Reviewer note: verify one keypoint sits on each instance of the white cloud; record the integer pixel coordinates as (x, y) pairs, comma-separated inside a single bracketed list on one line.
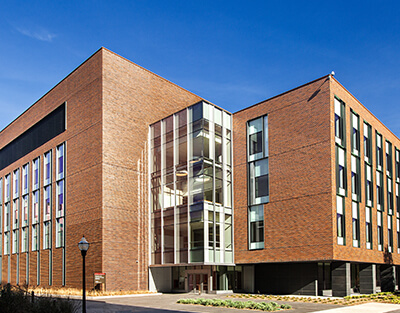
[(38, 33)]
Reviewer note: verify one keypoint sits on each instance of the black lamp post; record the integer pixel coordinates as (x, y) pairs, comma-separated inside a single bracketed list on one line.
[(83, 246)]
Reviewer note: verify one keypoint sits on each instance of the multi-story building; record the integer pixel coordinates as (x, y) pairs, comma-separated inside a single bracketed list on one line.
[(296, 194)]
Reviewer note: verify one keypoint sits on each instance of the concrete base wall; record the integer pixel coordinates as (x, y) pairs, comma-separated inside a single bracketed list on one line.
[(248, 278), (286, 278), (341, 279), (387, 278), (160, 279), (367, 278)]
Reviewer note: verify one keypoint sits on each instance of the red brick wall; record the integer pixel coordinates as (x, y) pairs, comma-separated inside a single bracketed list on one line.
[(133, 99), (297, 220), (348, 252), (110, 104), (300, 220), (82, 92)]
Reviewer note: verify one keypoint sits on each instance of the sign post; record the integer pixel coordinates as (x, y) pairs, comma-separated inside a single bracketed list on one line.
[(100, 278)]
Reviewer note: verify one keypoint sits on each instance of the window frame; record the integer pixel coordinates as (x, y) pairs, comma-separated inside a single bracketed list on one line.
[(255, 218)]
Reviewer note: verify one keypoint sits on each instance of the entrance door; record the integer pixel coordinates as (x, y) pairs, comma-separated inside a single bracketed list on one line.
[(198, 282), (193, 280)]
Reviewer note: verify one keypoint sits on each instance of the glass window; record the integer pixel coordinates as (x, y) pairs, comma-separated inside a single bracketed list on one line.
[(35, 175), (397, 165), (228, 232), (60, 232), (25, 239), (259, 182), (35, 207), (390, 234), (379, 152), (16, 184), (340, 220), (60, 161), (256, 227), (228, 152), (25, 179), (35, 237), (196, 234), (217, 116), (398, 199), (355, 136), (196, 112), (369, 193), (355, 178), (367, 143), (60, 199), (257, 138), (7, 217), (7, 243), (380, 230), (181, 154), (15, 243), (389, 166), (339, 121), (341, 176), (379, 190), (47, 235), (47, 168), (47, 203), (368, 228), (389, 196), (7, 188), (187, 165), (218, 148), (16, 214), (356, 224), (200, 144)]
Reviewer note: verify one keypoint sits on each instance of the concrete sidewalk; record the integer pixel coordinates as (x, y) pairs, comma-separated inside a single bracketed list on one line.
[(166, 303), (365, 308)]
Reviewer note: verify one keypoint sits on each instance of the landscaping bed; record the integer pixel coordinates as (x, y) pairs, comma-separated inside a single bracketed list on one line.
[(382, 297), (251, 305)]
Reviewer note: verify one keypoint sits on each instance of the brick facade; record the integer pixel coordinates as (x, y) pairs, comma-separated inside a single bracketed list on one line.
[(300, 218), (110, 103)]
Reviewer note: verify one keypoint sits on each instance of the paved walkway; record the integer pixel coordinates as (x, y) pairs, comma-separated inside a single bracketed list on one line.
[(366, 308), (166, 303)]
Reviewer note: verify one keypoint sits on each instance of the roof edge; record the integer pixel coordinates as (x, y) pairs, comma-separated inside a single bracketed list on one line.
[(354, 97), (75, 69), (283, 93), (152, 73)]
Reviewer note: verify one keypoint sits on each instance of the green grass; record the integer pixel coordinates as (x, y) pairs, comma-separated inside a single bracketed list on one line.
[(262, 306)]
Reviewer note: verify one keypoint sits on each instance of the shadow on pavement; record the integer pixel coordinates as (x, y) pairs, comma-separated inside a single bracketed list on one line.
[(161, 304)]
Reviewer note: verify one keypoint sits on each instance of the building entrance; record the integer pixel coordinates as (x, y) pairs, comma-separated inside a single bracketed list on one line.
[(198, 282)]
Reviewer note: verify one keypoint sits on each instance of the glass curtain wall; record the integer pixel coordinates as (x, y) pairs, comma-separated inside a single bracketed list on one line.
[(191, 187)]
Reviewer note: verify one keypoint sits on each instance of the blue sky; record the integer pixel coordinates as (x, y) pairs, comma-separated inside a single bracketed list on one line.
[(233, 53)]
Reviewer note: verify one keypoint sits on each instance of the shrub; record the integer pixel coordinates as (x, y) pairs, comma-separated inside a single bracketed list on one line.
[(15, 299), (263, 306), (239, 305)]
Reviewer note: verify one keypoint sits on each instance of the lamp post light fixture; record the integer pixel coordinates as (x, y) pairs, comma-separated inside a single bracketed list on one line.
[(83, 246)]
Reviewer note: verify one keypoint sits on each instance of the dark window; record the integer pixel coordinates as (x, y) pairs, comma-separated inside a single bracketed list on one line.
[(255, 142), (262, 186), (257, 231), (47, 128)]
